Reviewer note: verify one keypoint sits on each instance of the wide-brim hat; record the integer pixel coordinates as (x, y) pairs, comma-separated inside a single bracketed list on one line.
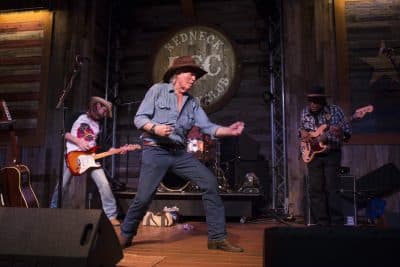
[(183, 64), (97, 99), (316, 91)]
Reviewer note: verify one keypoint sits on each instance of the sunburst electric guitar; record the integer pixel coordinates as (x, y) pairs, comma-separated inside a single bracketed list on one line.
[(79, 162), (315, 145)]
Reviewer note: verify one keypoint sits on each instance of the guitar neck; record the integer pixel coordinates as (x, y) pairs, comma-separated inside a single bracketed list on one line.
[(14, 157), (107, 153), (352, 118), (13, 153)]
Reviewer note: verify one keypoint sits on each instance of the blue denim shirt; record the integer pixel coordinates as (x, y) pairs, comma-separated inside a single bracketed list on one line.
[(160, 106)]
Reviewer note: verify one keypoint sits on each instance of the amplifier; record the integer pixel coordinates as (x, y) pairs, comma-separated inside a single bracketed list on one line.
[(348, 201), (348, 198)]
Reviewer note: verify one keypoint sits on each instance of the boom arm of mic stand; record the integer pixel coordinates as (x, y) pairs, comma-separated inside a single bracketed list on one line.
[(67, 89)]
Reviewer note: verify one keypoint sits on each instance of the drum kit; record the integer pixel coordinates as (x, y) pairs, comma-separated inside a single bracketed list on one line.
[(206, 150)]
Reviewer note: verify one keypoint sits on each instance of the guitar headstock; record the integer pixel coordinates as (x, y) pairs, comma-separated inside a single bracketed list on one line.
[(125, 148), (7, 115), (133, 147), (13, 155), (361, 112)]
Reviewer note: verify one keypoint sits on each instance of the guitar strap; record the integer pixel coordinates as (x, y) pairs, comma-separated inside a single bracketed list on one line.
[(327, 115), (103, 141), (317, 123), (323, 113)]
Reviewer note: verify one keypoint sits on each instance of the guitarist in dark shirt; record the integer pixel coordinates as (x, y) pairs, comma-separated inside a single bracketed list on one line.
[(323, 129)]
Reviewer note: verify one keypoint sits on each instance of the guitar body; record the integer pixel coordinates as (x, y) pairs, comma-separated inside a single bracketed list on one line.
[(309, 150), (314, 146), (80, 161), (16, 187)]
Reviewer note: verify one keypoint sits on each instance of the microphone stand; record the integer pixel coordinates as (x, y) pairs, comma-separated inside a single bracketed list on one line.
[(61, 106), (115, 183), (390, 54)]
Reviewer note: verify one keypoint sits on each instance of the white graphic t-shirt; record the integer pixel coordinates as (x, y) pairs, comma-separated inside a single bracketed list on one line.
[(86, 128)]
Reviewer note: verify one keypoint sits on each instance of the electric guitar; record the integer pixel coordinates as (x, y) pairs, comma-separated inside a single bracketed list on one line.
[(79, 162), (316, 145), (15, 182)]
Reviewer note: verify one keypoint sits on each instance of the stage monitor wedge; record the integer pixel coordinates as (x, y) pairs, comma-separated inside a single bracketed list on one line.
[(331, 247), (57, 238), (381, 182)]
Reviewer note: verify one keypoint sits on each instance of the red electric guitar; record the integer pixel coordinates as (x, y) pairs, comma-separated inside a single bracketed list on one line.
[(315, 145)]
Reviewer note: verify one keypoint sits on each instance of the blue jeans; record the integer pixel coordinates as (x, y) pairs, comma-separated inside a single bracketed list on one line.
[(155, 163), (100, 179)]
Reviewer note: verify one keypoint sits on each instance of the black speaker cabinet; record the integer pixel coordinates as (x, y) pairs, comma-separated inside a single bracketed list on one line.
[(330, 247), (57, 238), (347, 200), (347, 195)]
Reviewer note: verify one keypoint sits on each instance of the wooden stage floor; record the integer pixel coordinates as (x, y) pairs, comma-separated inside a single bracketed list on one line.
[(188, 247)]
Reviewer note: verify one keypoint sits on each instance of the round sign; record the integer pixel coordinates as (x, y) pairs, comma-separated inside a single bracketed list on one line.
[(213, 51)]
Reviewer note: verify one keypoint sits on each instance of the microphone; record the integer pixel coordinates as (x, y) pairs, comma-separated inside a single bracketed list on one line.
[(80, 59)]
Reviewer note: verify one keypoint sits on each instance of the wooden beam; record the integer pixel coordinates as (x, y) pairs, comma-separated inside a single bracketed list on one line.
[(342, 55), (187, 8)]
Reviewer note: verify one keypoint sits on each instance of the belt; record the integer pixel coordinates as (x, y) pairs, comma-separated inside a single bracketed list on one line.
[(166, 146)]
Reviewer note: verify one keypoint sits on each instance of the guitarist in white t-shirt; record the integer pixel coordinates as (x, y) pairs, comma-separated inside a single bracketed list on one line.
[(81, 138)]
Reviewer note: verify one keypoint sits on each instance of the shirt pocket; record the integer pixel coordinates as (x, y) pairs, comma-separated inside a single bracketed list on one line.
[(162, 112)]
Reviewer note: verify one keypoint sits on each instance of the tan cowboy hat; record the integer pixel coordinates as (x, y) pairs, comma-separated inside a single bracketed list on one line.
[(183, 64), (317, 91), (96, 99)]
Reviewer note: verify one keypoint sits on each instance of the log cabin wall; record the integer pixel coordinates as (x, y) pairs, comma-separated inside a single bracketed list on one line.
[(370, 27), (309, 50), (311, 55), (78, 28), (313, 42), (81, 39), (144, 24)]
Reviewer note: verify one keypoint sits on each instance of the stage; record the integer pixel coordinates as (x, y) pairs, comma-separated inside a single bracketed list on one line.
[(177, 246), (190, 203)]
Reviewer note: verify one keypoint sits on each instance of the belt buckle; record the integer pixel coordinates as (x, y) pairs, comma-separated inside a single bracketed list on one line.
[(149, 143)]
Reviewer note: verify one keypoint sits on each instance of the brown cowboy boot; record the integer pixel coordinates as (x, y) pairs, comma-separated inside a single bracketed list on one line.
[(123, 241), (224, 245)]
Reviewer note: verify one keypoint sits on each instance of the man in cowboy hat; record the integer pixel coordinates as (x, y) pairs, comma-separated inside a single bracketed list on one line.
[(165, 116), (82, 137), (324, 183)]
